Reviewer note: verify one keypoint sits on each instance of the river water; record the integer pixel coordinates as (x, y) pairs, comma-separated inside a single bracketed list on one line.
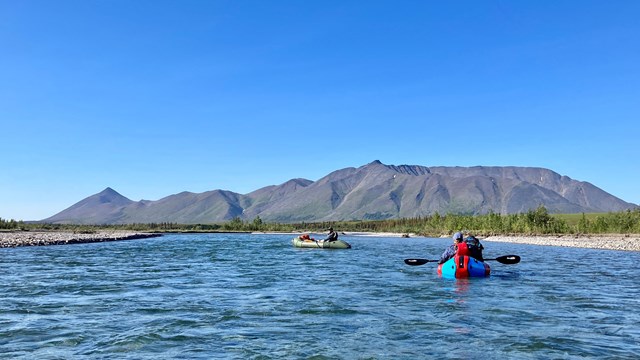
[(242, 296)]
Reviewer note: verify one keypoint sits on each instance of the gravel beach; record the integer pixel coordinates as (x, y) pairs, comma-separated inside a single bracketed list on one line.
[(28, 238), (627, 242)]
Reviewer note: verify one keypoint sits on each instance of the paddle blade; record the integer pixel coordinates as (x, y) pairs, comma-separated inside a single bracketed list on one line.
[(508, 259), (416, 262)]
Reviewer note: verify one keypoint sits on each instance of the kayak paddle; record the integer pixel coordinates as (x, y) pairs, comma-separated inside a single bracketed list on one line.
[(506, 259)]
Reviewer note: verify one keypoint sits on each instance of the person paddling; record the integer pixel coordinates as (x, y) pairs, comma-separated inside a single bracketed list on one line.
[(450, 251), (464, 247), (332, 236), (474, 246)]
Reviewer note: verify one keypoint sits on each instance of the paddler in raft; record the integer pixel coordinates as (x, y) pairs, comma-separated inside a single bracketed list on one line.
[(332, 236), (470, 247), (475, 248)]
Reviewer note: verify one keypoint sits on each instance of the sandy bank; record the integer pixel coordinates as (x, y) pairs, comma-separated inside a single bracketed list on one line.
[(28, 238)]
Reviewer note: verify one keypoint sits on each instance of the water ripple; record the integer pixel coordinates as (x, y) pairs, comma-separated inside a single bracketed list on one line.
[(255, 296)]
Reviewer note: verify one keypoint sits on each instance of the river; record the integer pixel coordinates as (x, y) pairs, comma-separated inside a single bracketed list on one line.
[(243, 296)]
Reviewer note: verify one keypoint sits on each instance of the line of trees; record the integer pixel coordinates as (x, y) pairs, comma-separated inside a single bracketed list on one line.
[(533, 222), (11, 224)]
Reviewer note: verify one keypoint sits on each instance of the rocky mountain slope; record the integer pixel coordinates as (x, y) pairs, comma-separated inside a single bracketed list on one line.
[(372, 191)]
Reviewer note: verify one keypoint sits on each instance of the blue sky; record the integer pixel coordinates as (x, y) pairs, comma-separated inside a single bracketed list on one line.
[(152, 98)]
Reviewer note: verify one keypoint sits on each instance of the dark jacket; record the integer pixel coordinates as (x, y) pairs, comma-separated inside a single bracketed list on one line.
[(333, 236), (475, 248)]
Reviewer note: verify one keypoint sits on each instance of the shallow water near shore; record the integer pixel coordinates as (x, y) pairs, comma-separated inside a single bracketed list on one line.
[(204, 296)]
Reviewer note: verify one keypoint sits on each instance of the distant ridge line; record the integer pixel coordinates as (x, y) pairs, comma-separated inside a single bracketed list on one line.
[(373, 191)]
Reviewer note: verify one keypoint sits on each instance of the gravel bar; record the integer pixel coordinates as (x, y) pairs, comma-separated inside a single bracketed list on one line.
[(624, 242), (27, 238)]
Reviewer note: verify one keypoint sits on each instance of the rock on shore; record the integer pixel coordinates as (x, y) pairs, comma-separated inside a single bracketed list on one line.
[(27, 238), (624, 242)]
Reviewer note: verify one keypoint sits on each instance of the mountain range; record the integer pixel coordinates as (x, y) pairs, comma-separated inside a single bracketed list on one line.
[(370, 192)]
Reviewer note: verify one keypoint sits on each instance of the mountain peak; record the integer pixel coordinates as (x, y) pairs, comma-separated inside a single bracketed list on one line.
[(110, 195), (373, 191), (101, 208), (108, 191)]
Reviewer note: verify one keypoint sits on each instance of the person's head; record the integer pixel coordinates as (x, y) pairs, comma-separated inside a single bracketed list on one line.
[(472, 241), (330, 229), (457, 237)]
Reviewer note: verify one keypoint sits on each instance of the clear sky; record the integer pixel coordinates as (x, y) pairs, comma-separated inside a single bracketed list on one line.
[(153, 97)]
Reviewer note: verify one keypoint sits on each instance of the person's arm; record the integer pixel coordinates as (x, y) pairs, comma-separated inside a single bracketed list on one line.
[(447, 254)]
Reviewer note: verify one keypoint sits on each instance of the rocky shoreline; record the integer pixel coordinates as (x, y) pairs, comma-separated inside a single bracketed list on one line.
[(28, 238), (624, 242)]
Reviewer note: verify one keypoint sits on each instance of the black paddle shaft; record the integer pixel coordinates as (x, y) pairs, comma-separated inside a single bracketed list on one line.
[(506, 259)]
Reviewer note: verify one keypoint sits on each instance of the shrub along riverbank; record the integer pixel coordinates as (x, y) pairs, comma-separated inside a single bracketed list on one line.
[(534, 222)]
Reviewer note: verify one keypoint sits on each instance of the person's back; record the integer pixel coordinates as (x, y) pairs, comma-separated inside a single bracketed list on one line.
[(474, 247)]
